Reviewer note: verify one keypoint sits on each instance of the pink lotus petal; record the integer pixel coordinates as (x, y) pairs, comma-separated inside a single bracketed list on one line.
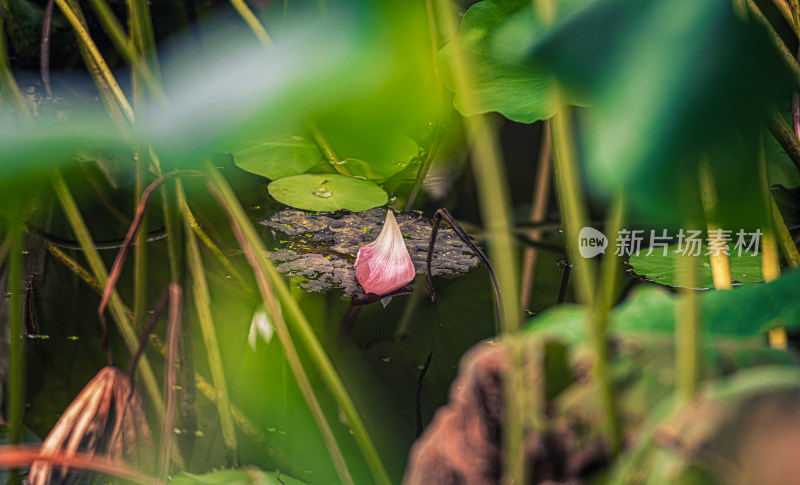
[(384, 265)]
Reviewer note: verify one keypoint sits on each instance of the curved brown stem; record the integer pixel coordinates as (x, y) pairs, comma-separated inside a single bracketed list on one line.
[(119, 262), (444, 214)]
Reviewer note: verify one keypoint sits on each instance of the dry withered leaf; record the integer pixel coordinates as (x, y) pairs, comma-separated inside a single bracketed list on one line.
[(106, 418), (463, 443)]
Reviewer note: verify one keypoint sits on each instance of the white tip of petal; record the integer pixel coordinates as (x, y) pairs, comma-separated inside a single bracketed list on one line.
[(384, 265)]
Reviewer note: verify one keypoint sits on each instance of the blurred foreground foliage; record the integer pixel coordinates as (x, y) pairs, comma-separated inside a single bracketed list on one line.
[(345, 108)]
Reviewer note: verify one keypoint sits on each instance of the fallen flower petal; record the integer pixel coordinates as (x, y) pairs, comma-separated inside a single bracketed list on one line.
[(384, 265)]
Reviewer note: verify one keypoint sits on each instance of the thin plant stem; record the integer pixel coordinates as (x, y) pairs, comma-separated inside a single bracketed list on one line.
[(140, 249), (610, 269), (490, 177), (784, 237), (327, 149), (303, 329), (141, 27), (601, 307), (276, 318), (170, 381), (79, 270), (720, 260), (15, 399), (770, 271), (202, 301), (786, 56), (687, 331), (242, 421), (770, 264), (787, 14), (574, 213), (143, 43), (493, 194), (785, 135), (252, 21), (104, 89), (114, 29), (23, 456), (211, 246), (87, 42), (436, 139), (258, 29), (119, 261), (124, 45), (101, 194), (433, 33), (172, 222), (409, 311), (101, 274), (571, 201), (44, 48), (7, 80), (541, 192)]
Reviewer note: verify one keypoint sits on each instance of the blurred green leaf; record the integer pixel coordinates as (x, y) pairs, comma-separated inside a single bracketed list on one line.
[(278, 155), (365, 77), (741, 313), (327, 192), (663, 269), (244, 476), (372, 155), (31, 152), (519, 91), (671, 82), (746, 420)]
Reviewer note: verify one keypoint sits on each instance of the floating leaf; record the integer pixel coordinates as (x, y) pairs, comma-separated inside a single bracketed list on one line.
[(366, 146), (661, 268), (278, 155), (327, 192)]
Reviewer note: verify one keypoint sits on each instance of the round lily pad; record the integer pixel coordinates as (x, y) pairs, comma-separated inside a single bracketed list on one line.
[(662, 269), (327, 192), (278, 155)]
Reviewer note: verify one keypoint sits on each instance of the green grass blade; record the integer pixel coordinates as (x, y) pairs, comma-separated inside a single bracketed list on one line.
[(15, 398), (244, 423), (86, 41), (100, 272), (301, 325), (252, 21), (202, 301)]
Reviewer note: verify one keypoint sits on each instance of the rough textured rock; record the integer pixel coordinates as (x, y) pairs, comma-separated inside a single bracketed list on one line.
[(321, 248)]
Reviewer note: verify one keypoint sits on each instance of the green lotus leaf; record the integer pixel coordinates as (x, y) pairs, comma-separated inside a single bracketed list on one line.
[(278, 155), (327, 192), (663, 268)]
